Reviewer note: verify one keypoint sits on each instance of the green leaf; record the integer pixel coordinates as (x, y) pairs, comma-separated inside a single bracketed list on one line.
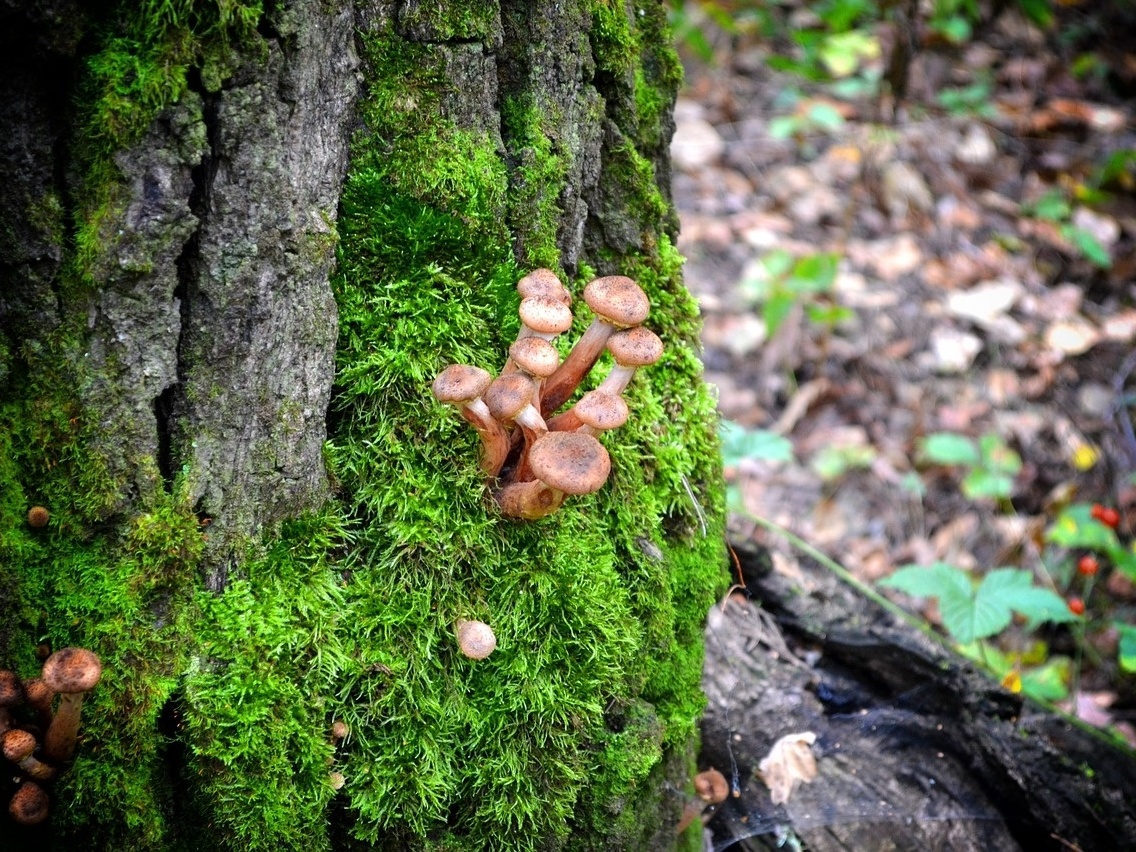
[(740, 443), (950, 585), (1088, 245), (824, 116), (1048, 682), (814, 273), (998, 456), (949, 448), (1052, 206), (1076, 527), (775, 310), (1127, 651), (1014, 588)]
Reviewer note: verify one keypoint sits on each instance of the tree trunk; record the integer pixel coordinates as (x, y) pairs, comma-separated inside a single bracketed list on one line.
[(240, 240), (915, 749)]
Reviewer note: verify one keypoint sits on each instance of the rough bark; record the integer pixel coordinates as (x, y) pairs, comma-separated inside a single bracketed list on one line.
[(915, 748)]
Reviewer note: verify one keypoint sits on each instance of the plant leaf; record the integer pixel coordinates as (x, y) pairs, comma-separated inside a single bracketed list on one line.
[(949, 448)]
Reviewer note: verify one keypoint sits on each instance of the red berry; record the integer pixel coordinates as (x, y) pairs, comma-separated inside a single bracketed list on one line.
[(1109, 517), (1088, 565), (1098, 509), (1076, 606)]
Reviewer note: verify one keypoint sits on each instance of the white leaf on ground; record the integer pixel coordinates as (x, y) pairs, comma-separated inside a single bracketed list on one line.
[(1072, 336), (790, 761), (953, 351)]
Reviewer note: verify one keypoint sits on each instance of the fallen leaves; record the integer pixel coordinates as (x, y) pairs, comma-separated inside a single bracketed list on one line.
[(790, 762)]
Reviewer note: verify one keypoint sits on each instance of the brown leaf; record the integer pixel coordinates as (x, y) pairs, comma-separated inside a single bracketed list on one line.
[(789, 762)]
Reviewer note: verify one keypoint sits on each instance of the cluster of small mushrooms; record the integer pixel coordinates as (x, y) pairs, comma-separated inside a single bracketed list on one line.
[(532, 455), (39, 743)]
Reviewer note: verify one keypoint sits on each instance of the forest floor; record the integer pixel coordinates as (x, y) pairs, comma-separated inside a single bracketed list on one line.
[(960, 266)]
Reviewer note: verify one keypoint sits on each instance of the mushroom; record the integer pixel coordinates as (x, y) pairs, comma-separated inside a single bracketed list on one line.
[(11, 695), (711, 786), (631, 348), (29, 804), (618, 302), (535, 356), (563, 463), (596, 411), (38, 517), (18, 747), (463, 385), (543, 317), (476, 639), (543, 282), (339, 730), (509, 399), (71, 672)]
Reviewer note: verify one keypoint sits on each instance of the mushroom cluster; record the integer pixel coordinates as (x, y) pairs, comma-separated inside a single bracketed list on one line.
[(533, 455), (39, 743)]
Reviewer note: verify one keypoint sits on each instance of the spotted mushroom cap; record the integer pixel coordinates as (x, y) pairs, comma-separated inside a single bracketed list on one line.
[(635, 347), (617, 299), (543, 282), (601, 410), (29, 804), (536, 356), (461, 383), (71, 670), (508, 395), (476, 639), (11, 689), (17, 744), (571, 462), (545, 316)]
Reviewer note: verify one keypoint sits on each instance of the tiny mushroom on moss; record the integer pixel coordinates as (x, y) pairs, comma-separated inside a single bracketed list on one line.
[(562, 463), (618, 302), (29, 804), (38, 516), (12, 694), (711, 786), (71, 672), (476, 639), (631, 348), (463, 385), (19, 747)]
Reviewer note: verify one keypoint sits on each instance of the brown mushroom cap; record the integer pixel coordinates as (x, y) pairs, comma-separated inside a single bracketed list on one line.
[(71, 670), (476, 639), (545, 316), (29, 804), (508, 395), (711, 786), (635, 347), (536, 356), (571, 462), (11, 689), (17, 744), (601, 410), (460, 383), (618, 299), (38, 517), (543, 282)]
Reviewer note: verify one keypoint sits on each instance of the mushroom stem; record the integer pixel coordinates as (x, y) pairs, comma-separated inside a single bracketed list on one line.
[(19, 747), (71, 672), (494, 441), (563, 383), (59, 741), (528, 500)]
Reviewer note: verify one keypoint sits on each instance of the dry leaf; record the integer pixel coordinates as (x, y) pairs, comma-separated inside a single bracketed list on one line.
[(788, 763)]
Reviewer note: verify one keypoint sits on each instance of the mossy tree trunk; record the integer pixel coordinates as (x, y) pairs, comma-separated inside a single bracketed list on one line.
[(239, 240)]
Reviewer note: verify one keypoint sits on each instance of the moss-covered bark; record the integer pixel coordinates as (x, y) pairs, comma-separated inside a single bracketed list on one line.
[(260, 535)]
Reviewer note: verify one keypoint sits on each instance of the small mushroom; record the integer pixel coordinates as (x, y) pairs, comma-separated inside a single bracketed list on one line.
[(71, 672), (38, 517), (29, 804), (11, 695), (595, 411), (711, 786), (618, 302), (509, 400), (19, 747), (535, 356), (463, 385), (543, 317), (339, 730), (476, 639), (39, 697), (631, 348), (543, 282), (563, 463)]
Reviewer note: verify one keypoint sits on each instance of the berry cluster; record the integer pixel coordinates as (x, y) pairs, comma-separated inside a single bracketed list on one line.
[(38, 742), (532, 455)]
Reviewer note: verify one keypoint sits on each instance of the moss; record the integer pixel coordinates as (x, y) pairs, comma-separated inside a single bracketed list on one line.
[(452, 21)]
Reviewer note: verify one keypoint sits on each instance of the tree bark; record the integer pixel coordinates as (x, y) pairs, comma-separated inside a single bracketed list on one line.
[(240, 239), (915, 748)]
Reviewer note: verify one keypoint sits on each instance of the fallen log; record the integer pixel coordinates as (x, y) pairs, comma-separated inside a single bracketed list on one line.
[(915, 749)]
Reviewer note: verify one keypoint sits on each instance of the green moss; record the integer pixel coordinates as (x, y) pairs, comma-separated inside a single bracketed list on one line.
[(538, 180), (615, 42), (453, 21)]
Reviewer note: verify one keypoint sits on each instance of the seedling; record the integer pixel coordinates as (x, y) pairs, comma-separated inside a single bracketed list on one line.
[(991, 463), (783, 281), (1053, 206)]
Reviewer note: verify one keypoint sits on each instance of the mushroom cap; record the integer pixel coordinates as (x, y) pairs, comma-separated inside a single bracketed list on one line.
[(617, 299), (571, 462), (544, 315), (38, 517), (461, 383), (601, 410), (11, 689), (635, 347), (29, 804), (536, 356), (508, 395), (71, 670), (476, 639), (711, 786), (18, 744), (543, 282)]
